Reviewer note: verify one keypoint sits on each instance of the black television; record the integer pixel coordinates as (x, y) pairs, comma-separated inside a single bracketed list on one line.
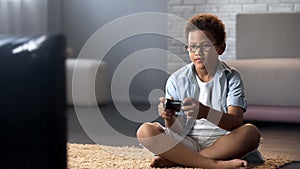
[(32, 102)]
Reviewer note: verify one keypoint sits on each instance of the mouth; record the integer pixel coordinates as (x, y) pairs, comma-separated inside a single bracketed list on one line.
[(199, 59)]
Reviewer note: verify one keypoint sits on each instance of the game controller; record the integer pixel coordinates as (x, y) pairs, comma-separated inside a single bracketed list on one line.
[(172, 104)]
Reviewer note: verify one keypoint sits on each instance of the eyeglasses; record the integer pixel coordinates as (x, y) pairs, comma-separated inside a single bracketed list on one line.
[(205, 47)]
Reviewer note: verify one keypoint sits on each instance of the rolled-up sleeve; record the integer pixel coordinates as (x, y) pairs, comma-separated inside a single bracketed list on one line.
[(236, 93), (170, 88)]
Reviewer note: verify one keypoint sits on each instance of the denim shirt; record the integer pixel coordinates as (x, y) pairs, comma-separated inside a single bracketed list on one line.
[(228, 88)]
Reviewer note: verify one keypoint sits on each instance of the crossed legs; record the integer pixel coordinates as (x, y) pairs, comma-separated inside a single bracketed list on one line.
[(171, 152)]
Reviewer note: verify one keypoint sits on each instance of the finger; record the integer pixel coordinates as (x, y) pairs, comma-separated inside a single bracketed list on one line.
[(160, 108), (167, 113), (160, 105), (190, 114), (162, 99), (188, 100), (187, 108), (165, 116)]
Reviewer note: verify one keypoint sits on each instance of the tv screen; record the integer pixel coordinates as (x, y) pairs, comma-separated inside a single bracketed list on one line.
[(32, 102)]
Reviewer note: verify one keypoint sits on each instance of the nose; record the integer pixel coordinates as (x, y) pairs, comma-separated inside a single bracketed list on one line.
[(198, 50)]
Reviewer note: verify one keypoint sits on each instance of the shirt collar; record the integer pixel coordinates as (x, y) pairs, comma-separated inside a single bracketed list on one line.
[(190, 71), (222, 67)]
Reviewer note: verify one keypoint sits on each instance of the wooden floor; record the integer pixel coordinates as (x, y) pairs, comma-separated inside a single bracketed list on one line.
[(281, 139)]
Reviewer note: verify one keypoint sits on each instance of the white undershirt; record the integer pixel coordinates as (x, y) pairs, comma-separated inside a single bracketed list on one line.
[(203, 127), (205, 91)]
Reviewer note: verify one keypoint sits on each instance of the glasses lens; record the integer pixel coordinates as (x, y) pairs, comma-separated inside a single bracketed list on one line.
[(203, 47)]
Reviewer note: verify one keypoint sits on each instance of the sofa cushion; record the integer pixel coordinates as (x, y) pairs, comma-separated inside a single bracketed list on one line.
[(86, 82), (271, 82)]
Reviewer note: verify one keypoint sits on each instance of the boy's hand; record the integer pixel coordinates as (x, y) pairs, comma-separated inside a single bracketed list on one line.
[(166, 114), (191, 107)]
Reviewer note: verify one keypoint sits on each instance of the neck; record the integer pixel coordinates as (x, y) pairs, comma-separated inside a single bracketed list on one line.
[(203, 75)]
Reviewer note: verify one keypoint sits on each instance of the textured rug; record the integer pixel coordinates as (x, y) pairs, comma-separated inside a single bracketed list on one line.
[(92, 156)]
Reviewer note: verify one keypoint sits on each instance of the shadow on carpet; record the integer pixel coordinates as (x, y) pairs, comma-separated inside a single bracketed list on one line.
[(93, 156), (292, 165)]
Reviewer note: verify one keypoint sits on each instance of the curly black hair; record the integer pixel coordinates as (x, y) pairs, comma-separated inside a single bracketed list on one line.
[(207, 22)]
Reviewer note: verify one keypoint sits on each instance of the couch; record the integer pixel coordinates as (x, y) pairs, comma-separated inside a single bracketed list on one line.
[(268, 57), (272, 88), (89, 85)]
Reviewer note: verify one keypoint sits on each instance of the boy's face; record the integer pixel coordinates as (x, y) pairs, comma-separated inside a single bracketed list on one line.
[(202, 52)]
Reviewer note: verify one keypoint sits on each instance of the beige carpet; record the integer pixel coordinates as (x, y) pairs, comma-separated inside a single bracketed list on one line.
[(91, 156)]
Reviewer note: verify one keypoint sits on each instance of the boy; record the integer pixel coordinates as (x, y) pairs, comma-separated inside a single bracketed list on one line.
[(208, 132)]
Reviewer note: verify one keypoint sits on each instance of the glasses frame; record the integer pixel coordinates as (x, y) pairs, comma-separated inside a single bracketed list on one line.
[(201, 47)]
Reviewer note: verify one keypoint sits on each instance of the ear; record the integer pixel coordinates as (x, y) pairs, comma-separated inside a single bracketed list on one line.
[(221, 48)]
